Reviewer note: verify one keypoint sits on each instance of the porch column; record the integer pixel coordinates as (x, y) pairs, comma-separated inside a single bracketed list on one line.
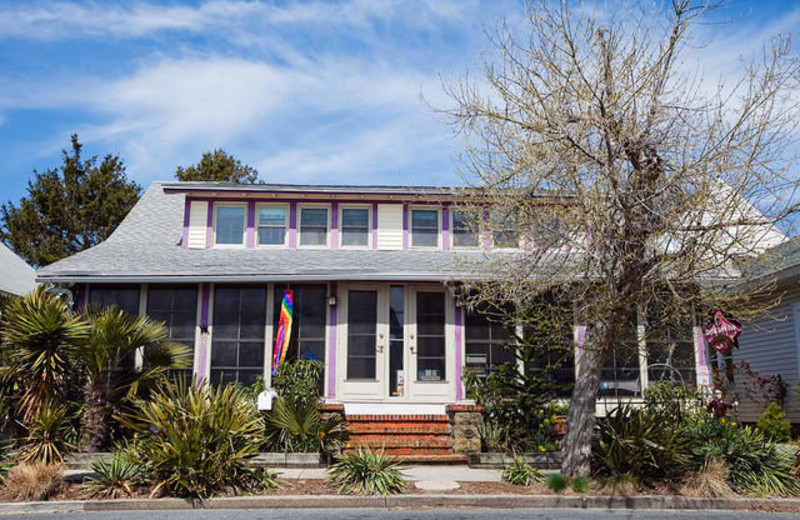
[(202, 348), (333, 316)]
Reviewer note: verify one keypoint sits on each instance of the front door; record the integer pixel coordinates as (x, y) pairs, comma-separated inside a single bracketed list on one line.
[(364, 340)]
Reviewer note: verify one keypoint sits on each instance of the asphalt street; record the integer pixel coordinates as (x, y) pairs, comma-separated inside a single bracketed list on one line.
[(398, 514)]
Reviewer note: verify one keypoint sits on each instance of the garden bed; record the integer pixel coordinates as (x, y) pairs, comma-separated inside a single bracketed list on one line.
[(548, 461)]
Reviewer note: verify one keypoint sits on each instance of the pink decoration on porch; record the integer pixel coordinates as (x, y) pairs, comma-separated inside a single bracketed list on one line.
[(721, 336)]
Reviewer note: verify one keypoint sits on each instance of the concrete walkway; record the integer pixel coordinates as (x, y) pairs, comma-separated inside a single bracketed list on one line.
[(413, 473)]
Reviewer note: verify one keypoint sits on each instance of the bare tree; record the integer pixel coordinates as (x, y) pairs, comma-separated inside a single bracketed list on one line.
[(633, 184)]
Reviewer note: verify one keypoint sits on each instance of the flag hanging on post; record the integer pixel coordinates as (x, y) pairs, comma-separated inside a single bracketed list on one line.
[(284, 330)]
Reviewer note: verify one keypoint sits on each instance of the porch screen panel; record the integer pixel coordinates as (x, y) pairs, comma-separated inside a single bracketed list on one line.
[(670, 347), (176, 306), (486, 339), (237, 347), (621, 372), (430, 336), (362, 314), (308, 324), (124, 297)]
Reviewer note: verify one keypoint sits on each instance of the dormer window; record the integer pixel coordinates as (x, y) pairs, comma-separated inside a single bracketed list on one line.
[(355, 226), (229, 225), (424, 228), (314, 226), (464, 229), (505, 231), (272, 224)]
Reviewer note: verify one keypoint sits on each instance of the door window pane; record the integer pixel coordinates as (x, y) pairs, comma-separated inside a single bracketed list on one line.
[(396, 337), (361, 310), (424, 228), (355, 226), (237, 347), (313, 226), (465, 230), (272, 225), (230, 224), (430, 336)]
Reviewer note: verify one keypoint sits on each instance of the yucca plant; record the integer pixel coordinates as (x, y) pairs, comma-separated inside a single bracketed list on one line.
[(50, 436), (296, 426), (115, 478), (367, 472), (40, 338), (198, 439), (5, 459), (520, 473), (114, 336)]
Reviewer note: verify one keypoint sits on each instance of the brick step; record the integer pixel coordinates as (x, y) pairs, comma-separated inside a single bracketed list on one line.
[(412, 443), (400, 429), (440, 458), (408, 452), (417, 439), (397, 418)]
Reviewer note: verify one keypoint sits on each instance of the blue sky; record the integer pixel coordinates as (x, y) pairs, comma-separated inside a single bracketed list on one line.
[(305, 91)]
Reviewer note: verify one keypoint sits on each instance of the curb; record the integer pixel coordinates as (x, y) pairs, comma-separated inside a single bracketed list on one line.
[(407, 502)]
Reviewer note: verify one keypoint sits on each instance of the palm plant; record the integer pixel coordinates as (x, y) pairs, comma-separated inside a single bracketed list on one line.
[(39, 339), (114, 337)]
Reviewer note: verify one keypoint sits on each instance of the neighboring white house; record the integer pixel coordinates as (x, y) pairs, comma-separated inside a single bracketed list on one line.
[(16, 277)]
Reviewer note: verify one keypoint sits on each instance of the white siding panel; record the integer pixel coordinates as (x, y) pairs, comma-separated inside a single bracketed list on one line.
[(198, 217), (770, 345), (390, 226)]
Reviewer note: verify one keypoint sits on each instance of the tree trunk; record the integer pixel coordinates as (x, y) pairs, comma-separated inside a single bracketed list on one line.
[(577, 448), (96, 416)]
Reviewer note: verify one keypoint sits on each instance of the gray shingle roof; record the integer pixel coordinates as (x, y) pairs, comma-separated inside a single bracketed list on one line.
[(146, 246), (16, 277)]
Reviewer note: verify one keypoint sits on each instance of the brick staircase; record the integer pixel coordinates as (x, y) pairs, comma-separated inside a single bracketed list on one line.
[(408, 438)]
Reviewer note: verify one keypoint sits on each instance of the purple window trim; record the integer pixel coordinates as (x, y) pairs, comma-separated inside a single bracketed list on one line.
[(202, 351), (332, 334), (334, 225), (250, 241), (405, 225), (527, 244), (285, 200), (186, 210), (293, 225), (374, 225), (445, 228), (210, 225), (82, 291), (459, 348)]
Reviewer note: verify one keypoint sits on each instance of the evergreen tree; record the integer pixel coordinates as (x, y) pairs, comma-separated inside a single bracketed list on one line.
[(218, 166), (68, 209)]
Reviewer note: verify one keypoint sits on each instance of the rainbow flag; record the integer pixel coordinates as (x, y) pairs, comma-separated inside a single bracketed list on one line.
[(284, 330)]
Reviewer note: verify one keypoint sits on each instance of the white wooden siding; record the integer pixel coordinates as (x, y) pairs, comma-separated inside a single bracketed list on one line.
[(770, 345), (198, 217), (390, 226)]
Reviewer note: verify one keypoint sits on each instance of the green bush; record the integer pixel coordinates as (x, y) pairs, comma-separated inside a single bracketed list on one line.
[(297, 427), (556, 482), (639, 442), (50, 436), (298, 381), (774, 424), (580, 484), (198, 439), (520, 473), (5, 459), (756, 464), (367, 472), (116, 477)]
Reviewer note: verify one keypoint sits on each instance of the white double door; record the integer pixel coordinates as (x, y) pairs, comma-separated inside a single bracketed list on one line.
[(395, 344)]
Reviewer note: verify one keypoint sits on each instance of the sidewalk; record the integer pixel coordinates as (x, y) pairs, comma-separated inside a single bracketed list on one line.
[(444, 472)]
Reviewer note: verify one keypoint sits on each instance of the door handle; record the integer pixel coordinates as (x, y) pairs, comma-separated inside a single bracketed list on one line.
[(413, 349), (379, 348)]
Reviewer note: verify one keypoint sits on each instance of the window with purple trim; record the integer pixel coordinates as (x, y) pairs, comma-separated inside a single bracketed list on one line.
[(272, 224), (229, 224)]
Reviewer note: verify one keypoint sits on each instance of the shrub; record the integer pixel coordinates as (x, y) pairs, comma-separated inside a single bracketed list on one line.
[(198, 439), (5, 459), (49, 436), (116, 477), (367, 472), (639, 442), (556, 482), (774, 424), (520, 473), (34, 481), (755, 464), (580, 484), (298, 381), (297, 427)]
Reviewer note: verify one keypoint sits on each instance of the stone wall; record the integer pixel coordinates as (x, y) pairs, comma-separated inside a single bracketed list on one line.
[(465, 427)]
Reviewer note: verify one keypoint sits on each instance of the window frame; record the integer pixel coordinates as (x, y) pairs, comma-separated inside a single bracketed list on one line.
[(493, 233), (342, 208), (300, 208), (286, 220), (215, 207), (478, 233), (438, 210)]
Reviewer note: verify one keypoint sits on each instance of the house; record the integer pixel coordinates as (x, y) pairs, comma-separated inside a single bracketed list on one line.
[(366, 268), (770, 344), (16, 277)]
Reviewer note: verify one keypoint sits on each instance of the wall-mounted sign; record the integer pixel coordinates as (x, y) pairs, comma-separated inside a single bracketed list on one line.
[(721, 336)]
